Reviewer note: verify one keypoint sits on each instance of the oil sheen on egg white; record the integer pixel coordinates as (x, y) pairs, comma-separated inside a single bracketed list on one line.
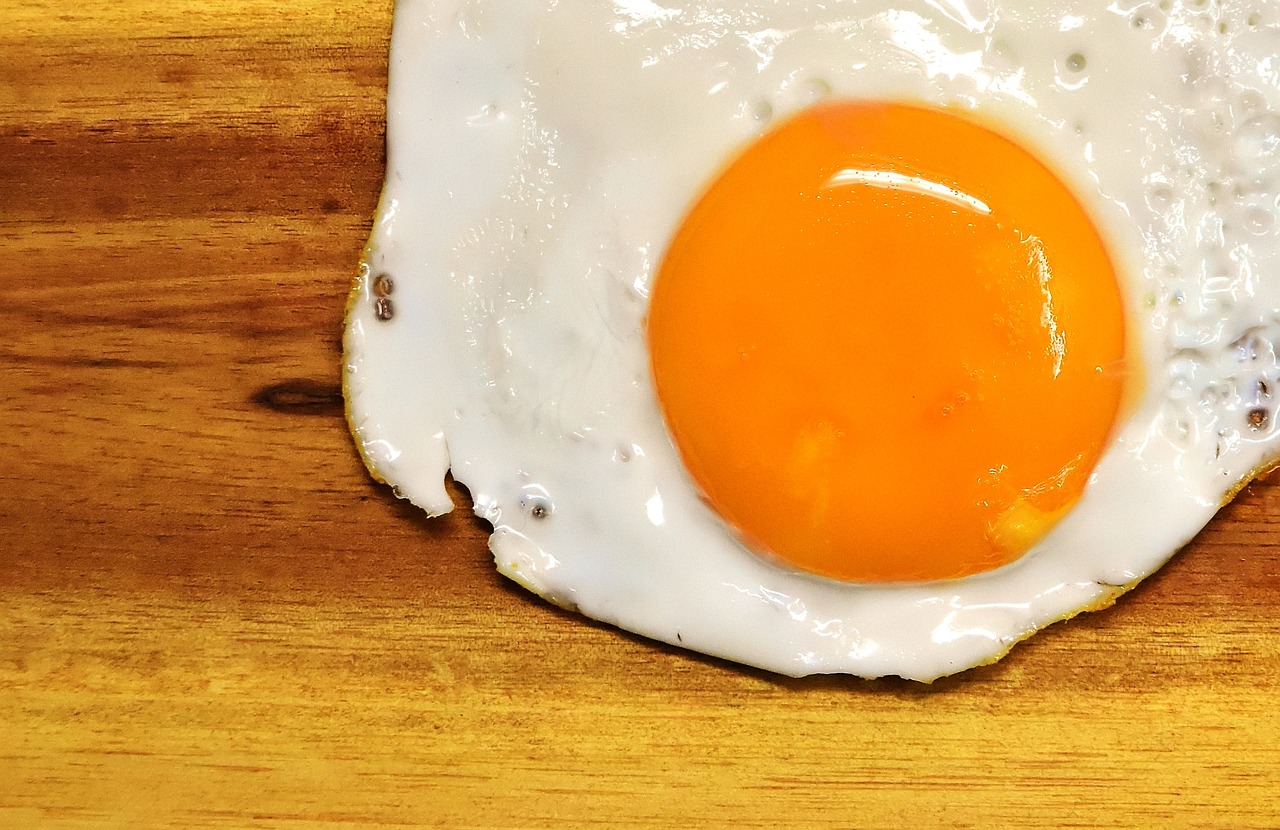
[(861, 338)]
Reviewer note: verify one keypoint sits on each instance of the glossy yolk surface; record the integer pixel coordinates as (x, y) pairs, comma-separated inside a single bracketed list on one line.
[(889, 344)]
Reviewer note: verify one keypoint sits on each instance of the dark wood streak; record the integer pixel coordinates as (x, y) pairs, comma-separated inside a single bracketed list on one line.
[(301, 397), (70, 361), (132, 172)]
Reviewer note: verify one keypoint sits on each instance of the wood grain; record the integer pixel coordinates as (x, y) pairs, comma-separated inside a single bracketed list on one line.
[(211, 617)]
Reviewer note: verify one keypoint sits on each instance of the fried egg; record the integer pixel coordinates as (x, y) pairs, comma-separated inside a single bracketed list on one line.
[(862, 337)]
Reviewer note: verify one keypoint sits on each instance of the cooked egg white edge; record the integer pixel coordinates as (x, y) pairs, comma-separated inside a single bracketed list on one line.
[(433, 388)]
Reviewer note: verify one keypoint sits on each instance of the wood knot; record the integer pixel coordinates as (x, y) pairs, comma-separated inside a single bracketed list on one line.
[(301, 397)]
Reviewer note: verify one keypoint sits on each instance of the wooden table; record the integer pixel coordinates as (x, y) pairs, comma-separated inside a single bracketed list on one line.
[(211, 617)]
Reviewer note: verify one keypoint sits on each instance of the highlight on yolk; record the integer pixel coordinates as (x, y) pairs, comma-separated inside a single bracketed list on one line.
[(889, 344)]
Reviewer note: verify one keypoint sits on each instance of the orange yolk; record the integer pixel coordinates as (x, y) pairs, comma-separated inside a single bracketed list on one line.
[(889, 344)]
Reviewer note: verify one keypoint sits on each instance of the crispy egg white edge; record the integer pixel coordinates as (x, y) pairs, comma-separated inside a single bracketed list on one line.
[(406, 429)]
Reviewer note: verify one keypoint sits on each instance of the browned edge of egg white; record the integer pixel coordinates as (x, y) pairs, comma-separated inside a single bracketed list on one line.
[(354, 295)]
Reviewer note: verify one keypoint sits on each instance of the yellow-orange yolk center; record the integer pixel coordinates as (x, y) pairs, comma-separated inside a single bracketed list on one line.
[(889, 344)]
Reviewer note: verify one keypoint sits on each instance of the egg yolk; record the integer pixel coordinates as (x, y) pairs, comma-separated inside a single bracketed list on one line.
[(889, 344)]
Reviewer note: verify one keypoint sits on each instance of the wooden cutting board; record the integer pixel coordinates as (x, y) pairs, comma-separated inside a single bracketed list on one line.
[(211, 617)]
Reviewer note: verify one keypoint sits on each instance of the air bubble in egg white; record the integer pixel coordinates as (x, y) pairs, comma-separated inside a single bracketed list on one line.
[(818, 88), (1217, 393), (1148, 21), (1258, 141), (1259, 221), (1246, 348), (1069, 72), (1159, 197)]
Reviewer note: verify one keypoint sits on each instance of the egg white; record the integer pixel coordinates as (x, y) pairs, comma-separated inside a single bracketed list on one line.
[(540, 154)]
